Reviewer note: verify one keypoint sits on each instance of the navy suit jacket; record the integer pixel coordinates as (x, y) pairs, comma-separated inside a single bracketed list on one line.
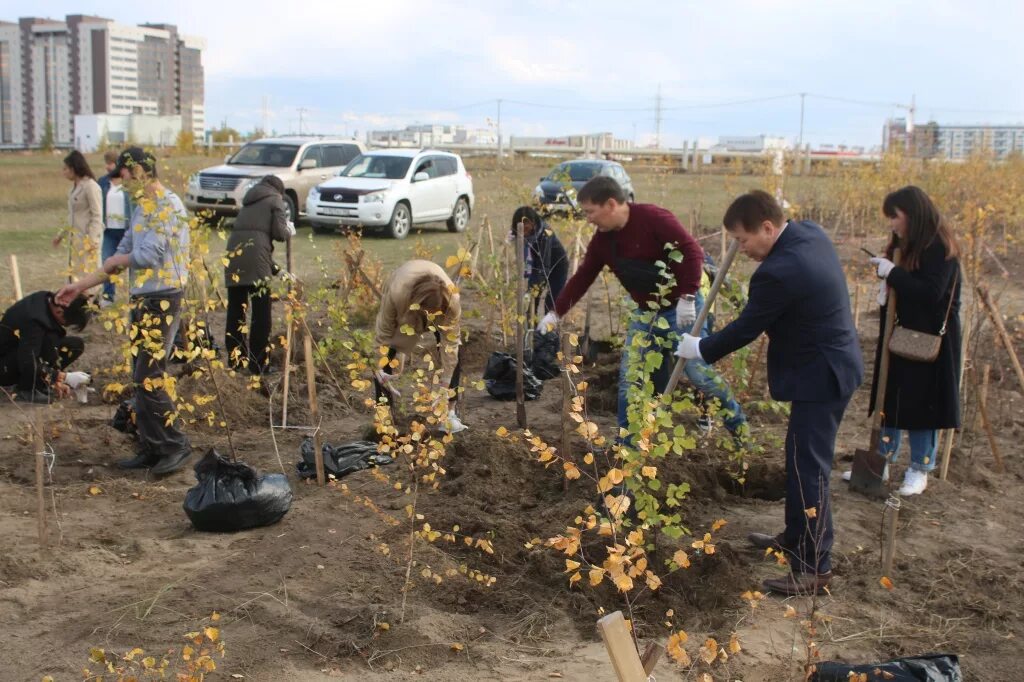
[(798, 296)]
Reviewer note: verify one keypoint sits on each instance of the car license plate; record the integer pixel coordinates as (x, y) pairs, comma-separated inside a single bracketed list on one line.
[(337, 211), (214, 195)]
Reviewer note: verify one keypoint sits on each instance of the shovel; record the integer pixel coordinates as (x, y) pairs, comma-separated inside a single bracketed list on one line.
[(868, 465), (698, 324)]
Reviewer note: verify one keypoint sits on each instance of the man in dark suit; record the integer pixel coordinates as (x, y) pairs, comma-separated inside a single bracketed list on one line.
[(798, 297)]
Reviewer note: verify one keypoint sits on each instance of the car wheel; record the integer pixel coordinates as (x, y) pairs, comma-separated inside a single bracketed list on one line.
[(460, 216), (323, 229), (290, 212), (401, 221)]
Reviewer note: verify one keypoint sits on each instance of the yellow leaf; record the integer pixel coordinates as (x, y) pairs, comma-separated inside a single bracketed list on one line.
[(718, 524), (812, 512), (623, 582), (588, 458), (211, 633), (680, 559), (615, 476), (457, 646), (790, 612), (186, 653), (97, 655), (885, 582), (501, 432), (709, 652), (734, 644), (596, 576), (383, 626), (649, 472), (451, 261), (164, 304), (575, 578), (653, 581), (95, 490), (571, 565), (675, 650), (571, 471), (130, 656)]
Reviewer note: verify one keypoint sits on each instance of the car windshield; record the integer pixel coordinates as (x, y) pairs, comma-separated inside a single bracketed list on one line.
[(278, 155), (371, 166), (576, 172)]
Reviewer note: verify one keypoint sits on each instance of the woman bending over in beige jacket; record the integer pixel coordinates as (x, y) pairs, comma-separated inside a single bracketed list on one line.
[(420, 310)]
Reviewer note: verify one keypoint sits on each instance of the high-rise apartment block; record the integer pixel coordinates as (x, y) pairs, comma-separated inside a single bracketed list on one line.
[(52, 70), (934, 141)]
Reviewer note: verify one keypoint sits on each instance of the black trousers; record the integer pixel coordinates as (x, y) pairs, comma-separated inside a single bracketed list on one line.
[(810, 449), (55, 352), (154, 323), (379, 392), (254, 348)]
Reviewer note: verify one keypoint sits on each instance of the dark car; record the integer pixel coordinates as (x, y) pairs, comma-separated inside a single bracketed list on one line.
[(557, 190)]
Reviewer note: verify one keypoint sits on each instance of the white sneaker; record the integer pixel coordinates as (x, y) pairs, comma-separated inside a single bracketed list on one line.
[(914, 482), (454, 424), (705, 424), (847, 475)]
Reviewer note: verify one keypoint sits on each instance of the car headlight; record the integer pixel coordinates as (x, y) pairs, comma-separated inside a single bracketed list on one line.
[(372, 198), (314, 194), (249, 184), (193, 183)]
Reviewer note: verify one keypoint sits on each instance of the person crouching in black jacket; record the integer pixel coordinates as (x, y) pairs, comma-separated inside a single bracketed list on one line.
[(547, 265), (35, 348)]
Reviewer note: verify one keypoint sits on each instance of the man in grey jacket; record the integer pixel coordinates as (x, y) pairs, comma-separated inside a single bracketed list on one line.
[(155, 249), (247, 273)]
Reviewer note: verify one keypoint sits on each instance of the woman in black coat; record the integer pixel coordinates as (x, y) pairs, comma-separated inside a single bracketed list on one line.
[(547, 265), (250, 265), (921, 397)]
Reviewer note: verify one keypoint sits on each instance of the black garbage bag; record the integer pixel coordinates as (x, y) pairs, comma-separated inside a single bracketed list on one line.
[(500, 378), (233, 496), (124, 418), (929, 668), (341, 460), (544, 360)]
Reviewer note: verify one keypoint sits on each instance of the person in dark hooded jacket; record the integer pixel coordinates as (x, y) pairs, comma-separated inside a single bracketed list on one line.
[(547, 265), (35, 349), (250, 266)]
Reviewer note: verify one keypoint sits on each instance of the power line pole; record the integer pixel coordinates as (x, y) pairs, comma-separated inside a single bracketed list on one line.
[(800, 142), (657, 119), (302, 112), (501, 148)]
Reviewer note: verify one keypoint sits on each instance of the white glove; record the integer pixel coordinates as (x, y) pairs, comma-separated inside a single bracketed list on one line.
[(689, 348), (385, 380), (76, 379), (883, 292), (885, 266), (548, 322), (686, 313), (291, 228)]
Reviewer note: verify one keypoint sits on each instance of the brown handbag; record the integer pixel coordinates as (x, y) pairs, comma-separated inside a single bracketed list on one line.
[(921, 346)]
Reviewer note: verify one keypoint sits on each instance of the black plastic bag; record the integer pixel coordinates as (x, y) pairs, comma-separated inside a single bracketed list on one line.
[(341, 460), (500, 378), (544, 361), (233, 496), (930, 668), (124, 418)]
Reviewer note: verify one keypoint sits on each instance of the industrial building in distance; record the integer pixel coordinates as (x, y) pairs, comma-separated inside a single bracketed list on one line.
[(133, 79)]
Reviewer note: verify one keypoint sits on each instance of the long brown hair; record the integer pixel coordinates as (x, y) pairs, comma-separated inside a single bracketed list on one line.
[(924, 225), (78, 165)]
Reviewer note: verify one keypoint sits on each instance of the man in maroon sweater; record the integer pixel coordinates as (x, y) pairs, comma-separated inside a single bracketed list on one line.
[(630, 240)]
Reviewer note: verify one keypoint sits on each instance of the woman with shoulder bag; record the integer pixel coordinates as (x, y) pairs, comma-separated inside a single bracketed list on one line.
[(250, 266), (922, 394)]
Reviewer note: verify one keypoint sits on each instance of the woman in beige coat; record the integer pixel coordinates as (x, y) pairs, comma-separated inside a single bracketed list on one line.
[(85, 215), (420, 309)]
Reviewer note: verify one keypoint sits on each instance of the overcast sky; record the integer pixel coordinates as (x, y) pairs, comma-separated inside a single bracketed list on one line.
[(574, 66)]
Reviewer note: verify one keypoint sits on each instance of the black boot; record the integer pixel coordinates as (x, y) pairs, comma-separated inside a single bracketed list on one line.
[(171, 463), (142, 460)]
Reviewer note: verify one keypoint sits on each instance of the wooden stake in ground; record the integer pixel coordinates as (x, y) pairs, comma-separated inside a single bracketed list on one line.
[(856, 307), (892, 518), (997, 320), (983, 411), (520, 321), (287, 335), (39, 445), (314, 409), (947, 452), (16, 276), (566, 406), (621, 650)]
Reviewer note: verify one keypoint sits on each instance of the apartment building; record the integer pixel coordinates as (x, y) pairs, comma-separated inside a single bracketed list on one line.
[(51, 71), (934, 141)]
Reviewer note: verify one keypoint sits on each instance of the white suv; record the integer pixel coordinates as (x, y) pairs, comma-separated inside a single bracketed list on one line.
[(394, 189)]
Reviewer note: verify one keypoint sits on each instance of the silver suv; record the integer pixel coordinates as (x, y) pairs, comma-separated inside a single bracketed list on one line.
[(300, 162)]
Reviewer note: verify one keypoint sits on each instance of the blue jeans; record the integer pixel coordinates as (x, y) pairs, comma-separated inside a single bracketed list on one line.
[(924, 445), (651, 337), (111, 238), (709, 383)]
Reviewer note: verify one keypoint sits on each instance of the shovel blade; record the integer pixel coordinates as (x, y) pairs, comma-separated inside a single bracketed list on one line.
[(867, 472)]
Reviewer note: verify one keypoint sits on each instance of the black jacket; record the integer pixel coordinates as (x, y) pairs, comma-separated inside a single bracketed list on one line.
[(798, 296), (924, 395), (250, 251), (29, 331), (549, 258)]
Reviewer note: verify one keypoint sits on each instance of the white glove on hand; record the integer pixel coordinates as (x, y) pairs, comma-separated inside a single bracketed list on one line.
[(689, 348), (76, 379), (291, 228), (686, 313), (883, 292), (885, 266), (385, 379), (548, 322)]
